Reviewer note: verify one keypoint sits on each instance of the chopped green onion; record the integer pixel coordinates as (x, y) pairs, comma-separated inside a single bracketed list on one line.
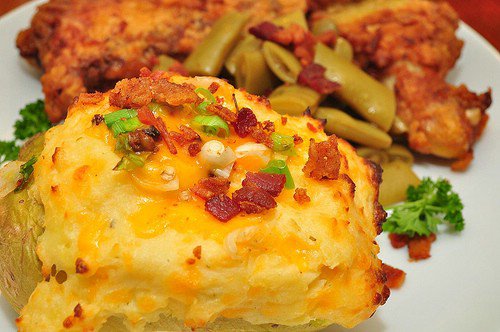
[(211, 124), (125, 126), (111, 118), (122, 144), (283, 144), (210, 99), (26, 170), (130, 162), (277, 166)]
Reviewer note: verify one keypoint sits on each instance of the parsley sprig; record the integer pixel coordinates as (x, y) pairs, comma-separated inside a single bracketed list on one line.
[(428, 205)]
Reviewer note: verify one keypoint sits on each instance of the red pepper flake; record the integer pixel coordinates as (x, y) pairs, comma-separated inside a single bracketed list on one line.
[(272, 183), (222, 207), (284, 120), (324, 160), (395, 277), (300, 196), (253, 199), (313, 76), (245, 121), (190, 261)]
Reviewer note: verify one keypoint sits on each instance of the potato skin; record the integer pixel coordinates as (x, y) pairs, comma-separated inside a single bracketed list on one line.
[(21, 219)]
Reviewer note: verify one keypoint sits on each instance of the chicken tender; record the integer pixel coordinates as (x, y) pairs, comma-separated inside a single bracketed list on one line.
[(164, 245), (84, 45), (414, 44)]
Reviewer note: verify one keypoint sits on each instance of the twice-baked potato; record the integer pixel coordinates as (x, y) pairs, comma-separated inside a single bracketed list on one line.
[(175, 203)]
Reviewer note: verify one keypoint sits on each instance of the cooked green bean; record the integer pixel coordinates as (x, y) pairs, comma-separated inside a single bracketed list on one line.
[(395, 152), (253, 74), (294, 99), (248, 44), (398, 126), (376, 155), (209, 56), (396, 178), (296, 17), (399, 152), (345, 126), (370, 98), (344, 48), (324, 25), (282, 62), (164, 63)]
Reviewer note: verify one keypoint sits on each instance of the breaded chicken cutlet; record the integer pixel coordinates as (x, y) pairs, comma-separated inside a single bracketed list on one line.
[(413, 44), (86, 45)]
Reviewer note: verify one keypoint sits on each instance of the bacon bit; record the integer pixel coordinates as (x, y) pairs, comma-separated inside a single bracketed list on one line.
[(269, 31), (68, 322), (146, 116), (145, 72), (162, 128), (463, 162), (312, 128), (272, 183), (225, 113), (214, 86), (190, 261), (209, 187), (222, 207), (398, 240), (246, 120), (78, 311), (253, 199), (324, 160), (395, 277), (189, 134), (297, 139), (173, 94), (284, 120), (419, 247), (313, 76), (97, 119), (194, 149), (301, 196), (268, 127), (197, 252), (304, 49), (91, 98), (54, 189), (260, 136), (81, 266), (131, 93), (140, 141)]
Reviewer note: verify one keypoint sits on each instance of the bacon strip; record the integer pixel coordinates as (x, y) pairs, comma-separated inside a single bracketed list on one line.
[(272, 183), (147, 117), (419, 247), (253, 199), (222, 207), (300, 196), (225, 113), (324, 160), (395, 277), (313, 76), (246, 120), (209, 187)]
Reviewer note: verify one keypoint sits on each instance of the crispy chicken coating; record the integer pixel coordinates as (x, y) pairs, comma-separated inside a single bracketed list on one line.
[(86, 45), (413, 44)]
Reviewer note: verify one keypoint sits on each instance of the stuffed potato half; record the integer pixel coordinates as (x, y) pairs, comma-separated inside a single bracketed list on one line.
[(120, 247)]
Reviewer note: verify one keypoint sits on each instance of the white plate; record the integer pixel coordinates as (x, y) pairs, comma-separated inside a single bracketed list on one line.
[(458, 289)]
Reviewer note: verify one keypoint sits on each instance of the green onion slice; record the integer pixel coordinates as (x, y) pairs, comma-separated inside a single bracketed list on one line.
[(111, 118), (130, 162), (277, 166), (209, 99), (212, 125), (125, 126), (283, 144), (26, 170)]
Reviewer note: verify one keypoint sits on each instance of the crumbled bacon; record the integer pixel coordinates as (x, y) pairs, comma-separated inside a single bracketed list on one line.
[(140, 141), (304, 49), (253, 199), (97, 119), (146, 116), (245, 121), (91, 98), (268, 127), (261, 136), (272, 183), (419, 247), (301, 196), (297, 139), (328, 37), (225, 113), (162, 128), (194, 149), (78, 311), (214, 86), (270, 31), (209, 187), (173, 94), (324, 160), (178, 68), (312, 128), (197, 252), (395, 277), (284, 120), (186, 136), (222, 207), (313, 76), (80, 266), (398, 240), (131, 93)]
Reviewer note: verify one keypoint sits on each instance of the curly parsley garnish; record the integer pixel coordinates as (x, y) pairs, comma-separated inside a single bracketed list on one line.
[(428, 205)]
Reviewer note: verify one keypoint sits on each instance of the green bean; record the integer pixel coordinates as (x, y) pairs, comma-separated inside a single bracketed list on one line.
[(396, 178), (253, 74), (376, 155), (344, 49), (399, 152), (296, 17), (398, 126), (282, 62), (345, 126), (248, 44), (395, 152), (164, 63), (324, 25), (370, 98), (294, 99), (208, 58)]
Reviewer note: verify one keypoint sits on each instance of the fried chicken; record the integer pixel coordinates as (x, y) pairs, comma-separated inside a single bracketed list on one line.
[(413, 43), (87, 45)]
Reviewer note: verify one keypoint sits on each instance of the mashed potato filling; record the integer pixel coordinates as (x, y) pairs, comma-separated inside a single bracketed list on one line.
[(138, 256)]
